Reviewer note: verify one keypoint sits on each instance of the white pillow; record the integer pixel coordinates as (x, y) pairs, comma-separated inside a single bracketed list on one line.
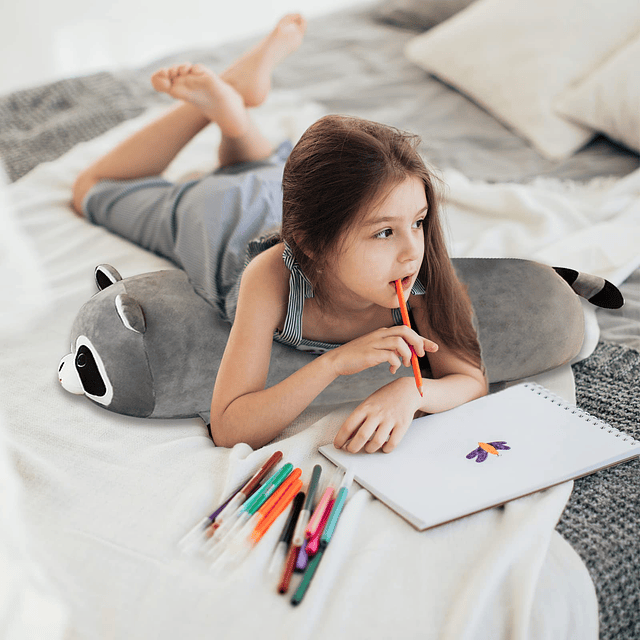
[(514, 57), (608, 100)]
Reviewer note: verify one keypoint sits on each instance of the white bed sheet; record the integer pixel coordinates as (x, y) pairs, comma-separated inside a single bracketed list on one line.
[(106, 497)]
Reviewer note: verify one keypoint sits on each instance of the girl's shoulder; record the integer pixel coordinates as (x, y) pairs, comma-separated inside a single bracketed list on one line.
[(265, 281), (270, 258), (268, 268)]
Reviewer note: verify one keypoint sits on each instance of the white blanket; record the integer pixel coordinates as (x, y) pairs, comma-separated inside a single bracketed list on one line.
[(593, 227), (106, 497)]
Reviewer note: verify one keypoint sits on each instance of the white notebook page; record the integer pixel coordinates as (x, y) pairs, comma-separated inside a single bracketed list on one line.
[(429, 480)]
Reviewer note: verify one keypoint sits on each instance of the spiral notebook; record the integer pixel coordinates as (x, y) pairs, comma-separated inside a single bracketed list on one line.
[(486, 452)]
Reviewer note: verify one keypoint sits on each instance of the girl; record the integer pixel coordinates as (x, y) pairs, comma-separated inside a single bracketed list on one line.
[(357, 210)]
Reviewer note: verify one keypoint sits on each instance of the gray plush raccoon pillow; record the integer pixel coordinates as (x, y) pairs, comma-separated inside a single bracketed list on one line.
[(150, 346)]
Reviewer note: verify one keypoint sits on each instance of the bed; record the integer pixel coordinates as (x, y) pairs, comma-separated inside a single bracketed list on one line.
[(100, 501)]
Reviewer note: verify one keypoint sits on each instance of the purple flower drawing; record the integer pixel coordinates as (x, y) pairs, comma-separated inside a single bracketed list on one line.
[(485, 448)]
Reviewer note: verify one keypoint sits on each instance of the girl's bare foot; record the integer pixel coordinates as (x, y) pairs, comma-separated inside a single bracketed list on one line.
[(251, 73), (217, 99)]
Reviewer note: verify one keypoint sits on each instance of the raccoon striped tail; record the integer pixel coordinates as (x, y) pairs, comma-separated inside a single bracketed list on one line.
[(595, 289)]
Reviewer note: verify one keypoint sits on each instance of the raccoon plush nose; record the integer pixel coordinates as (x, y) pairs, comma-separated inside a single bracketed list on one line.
[(68, 376)]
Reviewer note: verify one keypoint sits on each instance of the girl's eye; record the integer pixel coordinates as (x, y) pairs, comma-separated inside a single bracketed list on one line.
[(418, 223), (385, 233)]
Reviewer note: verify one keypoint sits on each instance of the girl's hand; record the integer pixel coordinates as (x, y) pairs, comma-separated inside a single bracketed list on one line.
[(384, 345), (381, 421)]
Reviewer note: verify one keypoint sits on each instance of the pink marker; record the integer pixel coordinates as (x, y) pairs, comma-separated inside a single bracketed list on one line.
[(314, 540), (318, 513)]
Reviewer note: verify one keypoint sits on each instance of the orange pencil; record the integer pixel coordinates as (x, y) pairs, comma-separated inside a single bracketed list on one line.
[(405, 320)]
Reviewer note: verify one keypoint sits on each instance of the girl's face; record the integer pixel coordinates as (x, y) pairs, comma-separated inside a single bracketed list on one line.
[(385, 245)]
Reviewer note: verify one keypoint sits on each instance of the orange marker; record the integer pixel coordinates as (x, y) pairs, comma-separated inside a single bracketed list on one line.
[(405, 320), (285, 500), (265, 510)]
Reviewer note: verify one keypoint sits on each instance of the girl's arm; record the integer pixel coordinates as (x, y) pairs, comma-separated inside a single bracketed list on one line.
[(380, 422), (242, 410), (455, 381)]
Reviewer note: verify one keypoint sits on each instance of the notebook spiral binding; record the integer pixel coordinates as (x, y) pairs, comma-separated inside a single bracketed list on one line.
[(561, 402)]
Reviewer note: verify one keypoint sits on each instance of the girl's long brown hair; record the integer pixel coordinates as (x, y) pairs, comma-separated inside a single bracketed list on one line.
[(340, 166)]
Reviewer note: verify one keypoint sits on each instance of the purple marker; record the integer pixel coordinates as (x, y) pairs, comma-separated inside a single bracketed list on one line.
[(303, 558), (204, 524)]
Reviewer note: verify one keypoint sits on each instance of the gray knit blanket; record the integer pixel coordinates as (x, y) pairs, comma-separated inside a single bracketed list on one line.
[(602, 518)]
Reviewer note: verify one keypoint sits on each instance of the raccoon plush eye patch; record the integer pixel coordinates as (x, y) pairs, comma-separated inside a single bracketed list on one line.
[(88, 371)]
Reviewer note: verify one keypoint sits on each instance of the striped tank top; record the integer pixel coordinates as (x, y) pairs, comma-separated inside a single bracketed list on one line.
[(299, 290)]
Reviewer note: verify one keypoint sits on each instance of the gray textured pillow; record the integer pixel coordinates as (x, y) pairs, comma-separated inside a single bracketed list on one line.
[(419, 14)]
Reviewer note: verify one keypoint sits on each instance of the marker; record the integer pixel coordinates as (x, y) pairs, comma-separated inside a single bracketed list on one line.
[(280, 552), (313, 543), (303, 558), (203, 530), (336, 510), (297, 539), (249, 536), (276, 512), (188, 540), (243, 514), (405, 320), (267, 489), (305, 514), (248, 488), (319, 512), (253, 518), (325, 539), (264, 512), (306, 578)]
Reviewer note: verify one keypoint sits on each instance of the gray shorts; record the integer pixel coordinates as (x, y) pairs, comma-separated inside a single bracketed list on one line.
[(204, 226)]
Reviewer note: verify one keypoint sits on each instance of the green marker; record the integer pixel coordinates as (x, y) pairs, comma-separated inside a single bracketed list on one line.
[(336, 510), (267, 489), (306, 578), (327, 534)]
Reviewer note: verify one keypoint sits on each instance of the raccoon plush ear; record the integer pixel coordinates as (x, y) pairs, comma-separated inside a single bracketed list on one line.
[(106, 275), (130, 313)]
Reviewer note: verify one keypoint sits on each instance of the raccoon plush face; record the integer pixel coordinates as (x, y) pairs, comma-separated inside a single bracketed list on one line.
[(139, 346), (111, 317)]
